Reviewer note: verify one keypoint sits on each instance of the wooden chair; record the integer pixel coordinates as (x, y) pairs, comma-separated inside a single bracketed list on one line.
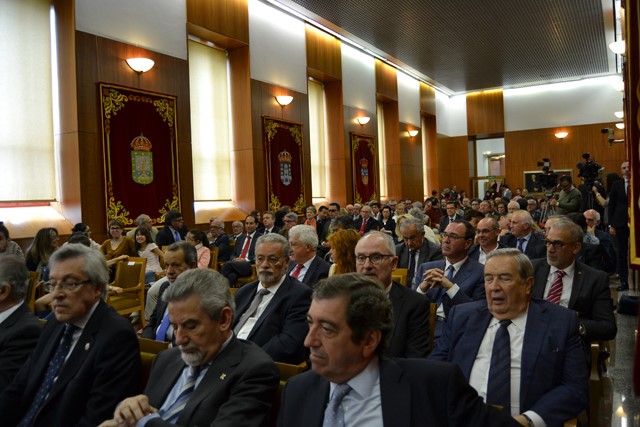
[(400, 275), (213, 262), (244, 280), (149, 349), (129, 277), (286, 372), (32, 289), (433, 308)]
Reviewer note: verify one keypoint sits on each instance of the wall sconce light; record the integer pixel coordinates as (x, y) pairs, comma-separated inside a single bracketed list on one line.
[(412, 132), (363, 120), (619, 114), (284, 100), (140, 65), (620, 125), (561, 135), (618, 47)]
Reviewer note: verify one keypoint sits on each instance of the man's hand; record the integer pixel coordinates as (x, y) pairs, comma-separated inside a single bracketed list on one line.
[(130, 410), (434, 278), (522, 420)]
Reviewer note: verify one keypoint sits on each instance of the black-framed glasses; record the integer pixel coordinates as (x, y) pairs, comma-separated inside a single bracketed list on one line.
[(374, 259), (452, 237), (66, 285), (557, 244)]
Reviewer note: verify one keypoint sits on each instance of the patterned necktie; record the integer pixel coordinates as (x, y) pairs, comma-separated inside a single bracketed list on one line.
[(174, 410), (334, 414), (296, 273), (162, 329), (245, 248), (555, 292), (520, 245), (251, 310), (364, 223), (441, 291), (52, 372), (499, 385)]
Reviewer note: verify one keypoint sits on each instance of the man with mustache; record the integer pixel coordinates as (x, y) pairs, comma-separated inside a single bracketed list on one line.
[(211, 378), (272, 310)]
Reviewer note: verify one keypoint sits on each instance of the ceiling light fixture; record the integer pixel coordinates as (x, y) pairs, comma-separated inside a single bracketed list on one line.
[(140, 65), (284, 100), (561, 135), (363, 120)]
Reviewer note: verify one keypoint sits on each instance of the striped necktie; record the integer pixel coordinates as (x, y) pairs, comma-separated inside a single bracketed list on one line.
[(555, 292), (174, 410)]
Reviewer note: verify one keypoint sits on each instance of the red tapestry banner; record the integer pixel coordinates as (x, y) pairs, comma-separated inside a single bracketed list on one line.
[(139, 139), (283, 164), (364, 157)]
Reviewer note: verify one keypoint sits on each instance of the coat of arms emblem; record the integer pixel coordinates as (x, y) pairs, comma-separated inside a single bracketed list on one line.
[(284, 157), (141, 160), (364, 171)]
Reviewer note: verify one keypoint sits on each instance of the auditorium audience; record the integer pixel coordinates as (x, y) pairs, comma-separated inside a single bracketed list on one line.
[(343, 243), (118, 247), (305, 265), (7, 245), (44, 244), (148, 250), (144, 220), (198, 239), (174, 229)]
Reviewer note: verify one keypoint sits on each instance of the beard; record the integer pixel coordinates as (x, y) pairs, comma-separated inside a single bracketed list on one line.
[(191, 354), (267, 277)]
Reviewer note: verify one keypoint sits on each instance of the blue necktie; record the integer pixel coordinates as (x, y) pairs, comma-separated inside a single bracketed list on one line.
[(334, 414), (162, 329), (520, 245), (499, 385), (52, 372), (172, 413), (176, 236)]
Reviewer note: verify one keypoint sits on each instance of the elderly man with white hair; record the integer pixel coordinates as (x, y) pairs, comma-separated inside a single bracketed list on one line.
[(305, 264)]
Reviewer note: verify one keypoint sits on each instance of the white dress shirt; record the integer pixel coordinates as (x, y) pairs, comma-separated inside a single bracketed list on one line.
[(266, 299), (567, 283)]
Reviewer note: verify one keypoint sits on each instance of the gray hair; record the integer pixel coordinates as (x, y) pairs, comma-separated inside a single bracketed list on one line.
[(94, 265), (417, 213), (142, 219), (13, 272), (188, 250), (211, 286), (412, 221), (576, 233), (275, 238), (525, 268), (292, 216), (306, 234), (388, 240), (526, 216)]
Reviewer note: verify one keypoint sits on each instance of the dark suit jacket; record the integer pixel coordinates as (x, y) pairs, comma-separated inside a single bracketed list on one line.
[(371, 224), (429, 251), (618, 205), (251, 253), (474, 251), (18, 337), (165, 236), (224, 247), (153, 322), (282, 327), (102, 369), (410, 334), (413, 393), (590, 297), (536, 248), (606, 243), (553, 373), (237, 390), (274, 230), (444, 221), (592, 255), (319, 269)]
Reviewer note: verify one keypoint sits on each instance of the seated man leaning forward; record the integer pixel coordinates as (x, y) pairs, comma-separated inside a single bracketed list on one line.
[(352, 384), (212, 378), (521, 354)]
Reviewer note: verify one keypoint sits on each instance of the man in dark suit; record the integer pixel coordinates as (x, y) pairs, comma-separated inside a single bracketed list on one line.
[(592, 217), (271, 311), (87, 358), (572, 284), (173, 231), (365, 222), (375, 258), (235, 380), (415, 250), (522, 236), (452, 209), (487, 233), (350, 319), (538, 337), (178, 258), (619, 224), (243, 252), (269, 222), (454, 280), (19, 328), (305, 265), (219, 239)]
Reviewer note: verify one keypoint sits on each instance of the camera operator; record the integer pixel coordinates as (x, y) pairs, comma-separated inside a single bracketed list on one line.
[(569, 199)]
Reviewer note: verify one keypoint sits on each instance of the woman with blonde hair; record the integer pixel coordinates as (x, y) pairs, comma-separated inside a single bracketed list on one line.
[(343, 245)]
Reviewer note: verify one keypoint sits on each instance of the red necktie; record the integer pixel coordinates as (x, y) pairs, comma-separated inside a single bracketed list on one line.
[(556, 288), (245, 248), (295, 273), (364, 222)]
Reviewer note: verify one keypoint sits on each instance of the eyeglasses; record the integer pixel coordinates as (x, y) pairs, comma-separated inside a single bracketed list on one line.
[(452, 237), (374, 259), (271, 260), (557, 244), (66, 286), (484, 231)]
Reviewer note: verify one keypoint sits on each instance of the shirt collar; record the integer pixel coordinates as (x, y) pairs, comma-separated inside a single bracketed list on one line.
[(568, 271), (364, 382)]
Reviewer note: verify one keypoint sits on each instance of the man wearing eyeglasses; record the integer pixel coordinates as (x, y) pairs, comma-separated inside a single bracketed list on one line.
[(272, 311), (414, 249), (376, 258), (487, 233), (562, 279), (87, 358), (219, 239), (454, 280)]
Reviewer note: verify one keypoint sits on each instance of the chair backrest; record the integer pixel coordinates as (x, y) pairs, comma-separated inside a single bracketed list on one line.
[(213, 262), (400, 275), (149, 349), (433, 308), (130, 274), (288, 370), (31, 290)]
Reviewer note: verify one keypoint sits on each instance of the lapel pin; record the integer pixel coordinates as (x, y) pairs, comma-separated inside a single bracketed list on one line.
[(87, 346), (223, 376)]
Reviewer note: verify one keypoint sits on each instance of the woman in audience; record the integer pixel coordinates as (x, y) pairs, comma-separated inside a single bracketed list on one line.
[(311, 217), (43, 245), (84, 228), (387, 224), (343, 245), (119, 247), (8, 246), (149, 250), (196, 238)]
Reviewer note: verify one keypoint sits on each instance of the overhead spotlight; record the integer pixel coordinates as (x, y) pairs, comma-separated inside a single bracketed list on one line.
[(363, 120), (284, 100), (619, 114)]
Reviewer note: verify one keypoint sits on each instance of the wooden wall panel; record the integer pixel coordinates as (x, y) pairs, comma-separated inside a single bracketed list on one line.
[(229, 18), (453, 163), (386, 82), (394, 165), (345, 162), (524, 149), (412, 171), (324, 58), (430, 138), (427, 99), (485, 113), (338, 156)]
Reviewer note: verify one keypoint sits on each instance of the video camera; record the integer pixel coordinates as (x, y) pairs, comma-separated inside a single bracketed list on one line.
[(547, 179), (589, 170)]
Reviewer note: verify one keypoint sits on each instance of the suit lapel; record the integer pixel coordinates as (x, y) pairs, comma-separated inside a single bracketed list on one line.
[(244, 304), (311, 271), (540, 277), (469, 342), (275, 301), (534, 333), (578, 284), (397, 299), (394, 395), (158, 394)]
